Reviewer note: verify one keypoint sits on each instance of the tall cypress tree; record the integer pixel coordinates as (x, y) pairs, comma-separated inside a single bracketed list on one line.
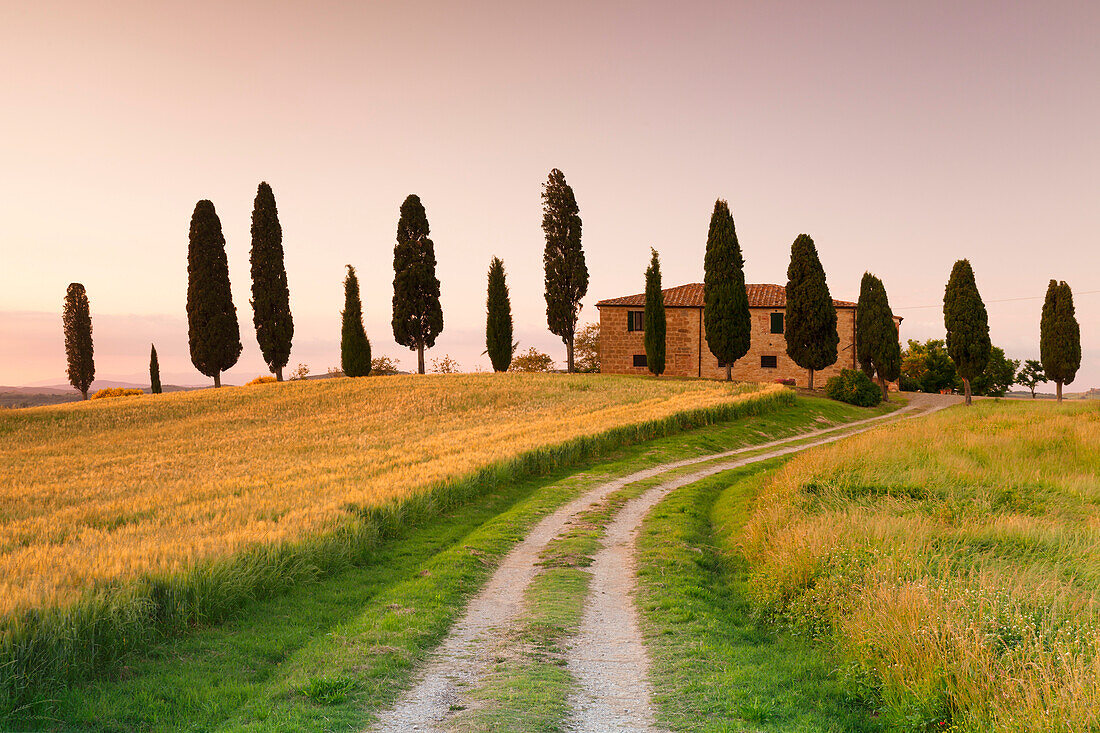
[(270, 294), (810, 321), (967, 324), (725, 300), (354, 344), (417, 314), (498, 321), (77, 317), (212, 330), (654, 317), (563, 260), (877, 346), (1059, 336), (154, 370)]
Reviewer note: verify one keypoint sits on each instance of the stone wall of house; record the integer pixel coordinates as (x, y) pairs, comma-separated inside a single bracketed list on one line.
[(687, 355)]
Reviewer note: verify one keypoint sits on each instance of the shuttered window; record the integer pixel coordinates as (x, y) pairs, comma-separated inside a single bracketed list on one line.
[(635, 320), (777, 323), (769, 362), (640, 360)]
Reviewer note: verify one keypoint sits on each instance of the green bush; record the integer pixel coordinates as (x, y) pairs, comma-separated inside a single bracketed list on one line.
[(855, 388)]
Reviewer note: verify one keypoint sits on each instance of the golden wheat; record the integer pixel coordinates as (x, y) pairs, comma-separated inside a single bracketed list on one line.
[(95, 493)]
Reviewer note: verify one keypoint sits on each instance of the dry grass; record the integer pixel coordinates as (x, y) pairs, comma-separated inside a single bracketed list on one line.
[(94, 493), (956, 562)]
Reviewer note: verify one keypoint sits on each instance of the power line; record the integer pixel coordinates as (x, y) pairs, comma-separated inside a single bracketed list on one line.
[(1000, 300)]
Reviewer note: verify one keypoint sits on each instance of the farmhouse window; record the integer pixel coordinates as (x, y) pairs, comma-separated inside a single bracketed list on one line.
[(640, 360), (769, 362), (635, 321), (777, 323)]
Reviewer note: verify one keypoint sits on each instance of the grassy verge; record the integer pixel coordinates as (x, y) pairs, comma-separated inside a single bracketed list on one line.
[(338, 648), (715, 666), (43, 652), (951, 563)]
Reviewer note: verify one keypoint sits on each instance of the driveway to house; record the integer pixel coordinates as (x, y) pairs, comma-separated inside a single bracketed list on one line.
[(607, 658)]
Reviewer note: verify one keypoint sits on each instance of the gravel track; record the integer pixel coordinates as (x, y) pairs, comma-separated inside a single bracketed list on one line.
[(608, 658)]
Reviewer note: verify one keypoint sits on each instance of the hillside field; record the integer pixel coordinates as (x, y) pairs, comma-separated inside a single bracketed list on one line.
[(98, 492), (954, 562)]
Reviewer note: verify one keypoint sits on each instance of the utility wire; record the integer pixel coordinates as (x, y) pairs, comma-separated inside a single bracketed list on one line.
[(1001, 300)]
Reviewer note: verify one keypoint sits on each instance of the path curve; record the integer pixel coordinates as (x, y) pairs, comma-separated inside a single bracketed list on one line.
[(463, 658), (608, 657)]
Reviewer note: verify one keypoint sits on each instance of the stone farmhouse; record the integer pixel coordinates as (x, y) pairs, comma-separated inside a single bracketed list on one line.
[(622, 325)]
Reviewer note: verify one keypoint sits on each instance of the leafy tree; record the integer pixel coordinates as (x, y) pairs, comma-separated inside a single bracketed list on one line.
[(212, 330), (926, 367), (446, 365), (810, 323), (725, 300), (498, 322), (967, 325), (532, 360), (1031, 375), (877, 347), (563, 260), (154, 370), (417, 314), (1059, 336), (77, 317), (270, 294), (384, 365), (998, 375), (587, 348), (655, 324), (354, 345)]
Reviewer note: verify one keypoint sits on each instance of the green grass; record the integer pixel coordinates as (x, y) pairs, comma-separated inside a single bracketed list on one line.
[(325, 655), (716, 667)]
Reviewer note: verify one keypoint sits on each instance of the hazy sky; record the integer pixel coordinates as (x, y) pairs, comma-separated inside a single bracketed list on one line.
[(901, 136)]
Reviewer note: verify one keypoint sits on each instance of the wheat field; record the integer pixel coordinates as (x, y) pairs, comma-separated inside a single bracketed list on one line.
[(100, 492), (954, 561)]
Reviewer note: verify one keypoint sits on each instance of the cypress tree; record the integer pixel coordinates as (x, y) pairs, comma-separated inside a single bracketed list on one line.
[(725, 300), (654, 317), (877, 346), (498, 322), (77, 317), (270, 294), (417, 314), (154, 370), (1059, 336), (563, 261), (354, 344), (212, 330), (810, 321), (967, 324)]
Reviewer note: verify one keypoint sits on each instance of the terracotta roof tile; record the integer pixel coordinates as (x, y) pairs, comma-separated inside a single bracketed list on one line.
[(691, 296)]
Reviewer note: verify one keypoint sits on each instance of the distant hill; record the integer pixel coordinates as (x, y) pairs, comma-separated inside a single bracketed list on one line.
[(55, 394)]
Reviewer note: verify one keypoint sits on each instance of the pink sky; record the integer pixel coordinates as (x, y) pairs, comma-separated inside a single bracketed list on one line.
[(899, 137)]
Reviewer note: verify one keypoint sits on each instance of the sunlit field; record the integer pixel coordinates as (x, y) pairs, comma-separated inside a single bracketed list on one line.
[(955, 560), (95, 493)]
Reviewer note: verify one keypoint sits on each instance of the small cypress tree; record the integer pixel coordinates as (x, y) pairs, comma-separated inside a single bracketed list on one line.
[(213, 334), (725, 300), (417, 314), (154, 370), (270, 294), (810, 321), (498, 321), (654, 317), (354, 345), (77, 317), (877, 348), (967, 324), (1059, 336), (563, 261)]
